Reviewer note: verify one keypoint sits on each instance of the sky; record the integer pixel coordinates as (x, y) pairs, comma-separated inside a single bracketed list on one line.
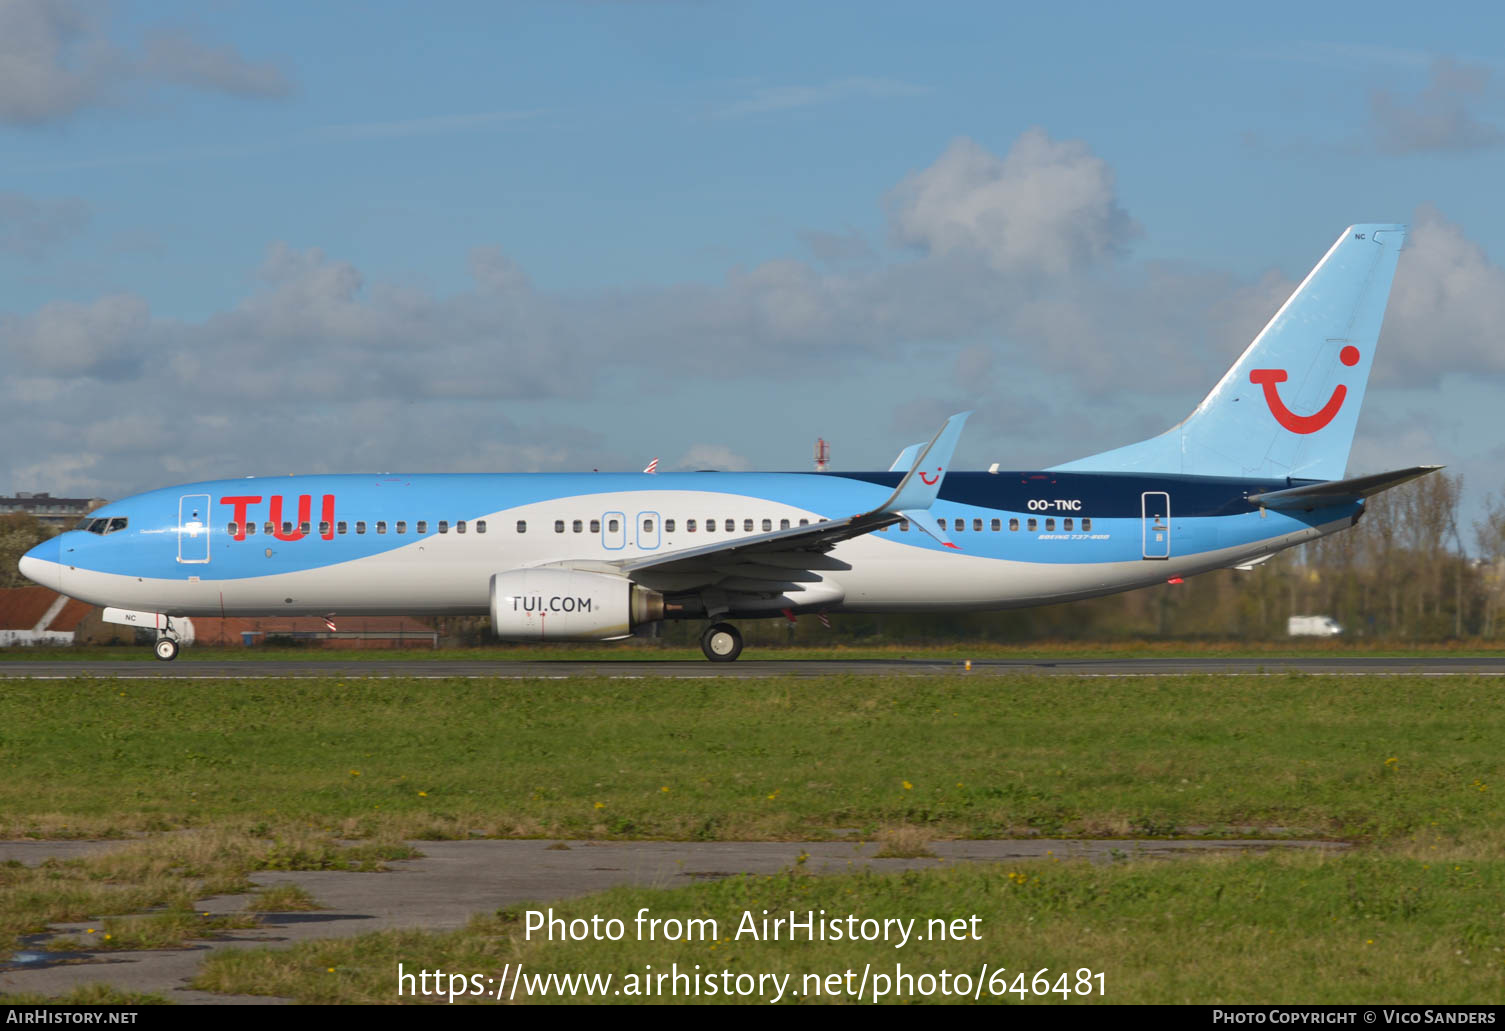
[(247, 238)]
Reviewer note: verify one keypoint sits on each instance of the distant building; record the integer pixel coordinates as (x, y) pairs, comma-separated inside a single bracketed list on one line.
[(35, 615), (59, 513)]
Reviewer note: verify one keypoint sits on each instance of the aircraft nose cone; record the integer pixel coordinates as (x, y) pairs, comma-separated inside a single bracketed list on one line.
[(44, 564)]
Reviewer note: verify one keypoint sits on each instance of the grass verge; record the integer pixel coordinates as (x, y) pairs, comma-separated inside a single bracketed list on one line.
[(777, 759)]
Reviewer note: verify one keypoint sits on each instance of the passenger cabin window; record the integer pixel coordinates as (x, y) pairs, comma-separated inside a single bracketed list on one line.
[(460, 526), (250, 529), (767, 525), (444, 526), (303, 527), (977, 525), (402, 526), (747, 526), (804, 522), (961, 524), (668, 526), (1086, 525), (1033, 525), (710, 526), (647, 525), (381, 526), (360, 526), (233, 529), (267, 528), (480, 526), (324, 528), (341, 526), (577, 526), (784, 524), (559, 526), (423, 526), (997, 525), (731, 526), (1013, 524), (1050, 526), (1066, 523), (595, 526), (903, 525), (522, 526), (612, 526), (689, 526)]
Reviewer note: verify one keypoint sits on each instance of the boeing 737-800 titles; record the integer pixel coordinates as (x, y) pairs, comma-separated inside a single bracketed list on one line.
[(1258, 466)]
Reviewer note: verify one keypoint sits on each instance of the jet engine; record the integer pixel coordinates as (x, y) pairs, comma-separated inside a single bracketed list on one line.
[(569, 605)]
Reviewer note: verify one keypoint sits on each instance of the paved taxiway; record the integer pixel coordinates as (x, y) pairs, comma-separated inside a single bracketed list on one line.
[(457, 879), (746, 668)]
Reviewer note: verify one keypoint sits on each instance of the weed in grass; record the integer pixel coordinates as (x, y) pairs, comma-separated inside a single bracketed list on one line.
[(168, 874), (282, 898), (904, 842)]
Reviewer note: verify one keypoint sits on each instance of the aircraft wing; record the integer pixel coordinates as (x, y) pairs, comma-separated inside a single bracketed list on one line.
[(1337, 492), (791, 561)]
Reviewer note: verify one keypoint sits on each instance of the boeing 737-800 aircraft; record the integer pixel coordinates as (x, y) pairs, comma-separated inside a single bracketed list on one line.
[(1258, 466)]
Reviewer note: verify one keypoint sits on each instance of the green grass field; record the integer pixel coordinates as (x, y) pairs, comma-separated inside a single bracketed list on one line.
[(1350, 757), (1407, 769)]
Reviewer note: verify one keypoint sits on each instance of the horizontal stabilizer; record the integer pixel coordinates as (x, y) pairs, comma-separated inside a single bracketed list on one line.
[(1337, 492), (927, 522)]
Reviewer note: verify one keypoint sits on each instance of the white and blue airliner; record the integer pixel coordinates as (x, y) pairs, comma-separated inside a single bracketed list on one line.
[(1259, 466)]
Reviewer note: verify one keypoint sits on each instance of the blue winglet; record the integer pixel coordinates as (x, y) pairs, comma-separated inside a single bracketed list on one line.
[(922, 484), (906, 458)]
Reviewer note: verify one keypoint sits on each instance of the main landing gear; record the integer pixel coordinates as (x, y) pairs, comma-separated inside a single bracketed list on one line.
[(721, 642), (167, 643)]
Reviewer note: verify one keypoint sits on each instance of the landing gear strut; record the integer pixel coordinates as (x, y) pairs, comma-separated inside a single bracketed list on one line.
[(167, 643), (721, 642)]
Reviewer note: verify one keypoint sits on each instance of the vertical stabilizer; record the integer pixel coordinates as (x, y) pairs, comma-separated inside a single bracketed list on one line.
[(1289, 405)]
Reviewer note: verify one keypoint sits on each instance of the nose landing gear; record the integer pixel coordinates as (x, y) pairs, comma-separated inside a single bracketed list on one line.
[(721, 642)]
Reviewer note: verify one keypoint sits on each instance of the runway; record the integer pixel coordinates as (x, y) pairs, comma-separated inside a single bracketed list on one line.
[(749, 668)]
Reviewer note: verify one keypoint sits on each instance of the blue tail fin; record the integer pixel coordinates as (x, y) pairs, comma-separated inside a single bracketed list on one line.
[(1289, 405)]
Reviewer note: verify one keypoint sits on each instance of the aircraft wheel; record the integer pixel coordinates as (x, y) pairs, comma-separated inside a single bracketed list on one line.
[(721, 642), (166, 649)]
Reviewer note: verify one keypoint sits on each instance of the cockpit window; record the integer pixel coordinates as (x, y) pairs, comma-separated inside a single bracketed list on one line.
[(102, 526)]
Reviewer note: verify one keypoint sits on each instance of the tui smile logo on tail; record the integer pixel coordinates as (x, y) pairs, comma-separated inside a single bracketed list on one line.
[(1270, 378)]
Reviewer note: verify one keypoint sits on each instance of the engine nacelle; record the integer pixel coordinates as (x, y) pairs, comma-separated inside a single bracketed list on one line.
[(569, 605)]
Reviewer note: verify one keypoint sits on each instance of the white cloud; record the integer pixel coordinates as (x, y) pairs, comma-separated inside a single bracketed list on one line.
[(58, 57), (32, 228), (787, 98), (1446, 308), (712, 456), (1045, 205), (1438, 118)]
